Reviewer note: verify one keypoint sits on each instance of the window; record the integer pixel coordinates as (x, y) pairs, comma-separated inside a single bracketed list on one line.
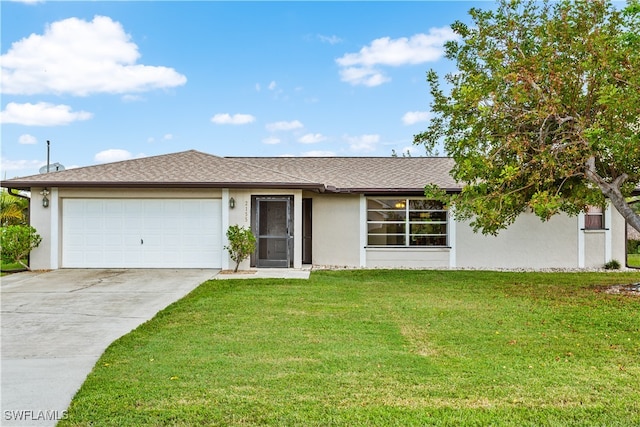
[(594, 218), (406, 222)]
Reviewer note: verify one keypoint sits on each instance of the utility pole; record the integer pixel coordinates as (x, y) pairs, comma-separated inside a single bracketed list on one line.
[(48, 145)]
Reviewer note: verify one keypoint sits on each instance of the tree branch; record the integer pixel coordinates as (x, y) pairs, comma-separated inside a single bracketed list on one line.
[(612, 191)]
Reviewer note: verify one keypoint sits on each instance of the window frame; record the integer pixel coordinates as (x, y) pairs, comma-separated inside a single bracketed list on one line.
[(405, 213), (590, 221)]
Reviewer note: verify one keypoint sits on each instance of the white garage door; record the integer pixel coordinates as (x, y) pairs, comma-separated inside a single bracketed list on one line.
[(147, 233)]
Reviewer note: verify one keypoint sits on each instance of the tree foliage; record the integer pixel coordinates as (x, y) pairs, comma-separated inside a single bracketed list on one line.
[(242, 243), (16, 242), (543, 112), (13, 210)]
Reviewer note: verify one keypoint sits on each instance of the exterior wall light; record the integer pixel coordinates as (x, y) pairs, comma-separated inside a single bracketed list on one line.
[(232, 203), (45, 200)]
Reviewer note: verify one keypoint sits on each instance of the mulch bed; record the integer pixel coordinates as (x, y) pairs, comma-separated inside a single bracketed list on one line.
[(238, 272), (631, 289)]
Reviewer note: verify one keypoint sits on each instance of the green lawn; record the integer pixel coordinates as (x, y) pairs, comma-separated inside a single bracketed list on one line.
[(633, 260), (402, 348), (6, 268)]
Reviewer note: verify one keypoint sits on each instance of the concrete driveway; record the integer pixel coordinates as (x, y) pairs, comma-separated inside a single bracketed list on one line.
[(55, 326)]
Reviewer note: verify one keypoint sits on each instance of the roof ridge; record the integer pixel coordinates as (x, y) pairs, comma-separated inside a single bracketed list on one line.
[(273, 170)]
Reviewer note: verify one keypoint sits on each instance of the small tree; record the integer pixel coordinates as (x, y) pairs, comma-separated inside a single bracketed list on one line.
[(17, 241), (242, 243)]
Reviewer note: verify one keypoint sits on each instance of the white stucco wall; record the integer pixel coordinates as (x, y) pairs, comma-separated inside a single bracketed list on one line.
[(618, 237), (339, 234), (594, 248), (336, 230), (46, 223), (430, 258), (528, 243)]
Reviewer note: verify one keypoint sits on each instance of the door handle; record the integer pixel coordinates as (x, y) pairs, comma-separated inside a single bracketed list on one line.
[(141, 242)]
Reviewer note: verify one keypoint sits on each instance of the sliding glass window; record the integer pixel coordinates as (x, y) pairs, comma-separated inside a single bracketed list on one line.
[(406, 222)]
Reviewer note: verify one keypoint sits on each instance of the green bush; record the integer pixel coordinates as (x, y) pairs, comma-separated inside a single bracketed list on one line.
[(242, 243), (612, 265), (16, 242), (633, 246)]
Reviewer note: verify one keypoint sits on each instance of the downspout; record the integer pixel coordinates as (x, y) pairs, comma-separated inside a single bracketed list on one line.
[(11, 191)]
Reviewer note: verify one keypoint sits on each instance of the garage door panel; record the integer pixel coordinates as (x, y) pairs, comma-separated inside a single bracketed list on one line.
[(141, 233)]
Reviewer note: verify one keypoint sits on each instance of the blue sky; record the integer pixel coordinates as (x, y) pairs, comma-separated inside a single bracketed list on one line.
[(109, 81)]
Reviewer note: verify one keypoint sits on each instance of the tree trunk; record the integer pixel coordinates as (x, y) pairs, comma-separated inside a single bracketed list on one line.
[(612, 191), (23, 264)]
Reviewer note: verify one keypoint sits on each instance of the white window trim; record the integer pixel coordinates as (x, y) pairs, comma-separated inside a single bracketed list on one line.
[(581, 249), (451, 236), (54, 207), (407, 221), (608, 236), (363, 231), (225, 226)]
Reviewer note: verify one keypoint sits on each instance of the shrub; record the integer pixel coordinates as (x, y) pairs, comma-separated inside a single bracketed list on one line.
[(17, 241), (633, 246), (612, 265), (242, 243)]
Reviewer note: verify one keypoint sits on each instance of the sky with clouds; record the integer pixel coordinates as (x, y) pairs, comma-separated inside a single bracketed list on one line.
[(110, 81)]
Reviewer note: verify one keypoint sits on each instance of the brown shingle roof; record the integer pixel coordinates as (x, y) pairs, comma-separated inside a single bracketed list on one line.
[(362, 174), (196, 169)]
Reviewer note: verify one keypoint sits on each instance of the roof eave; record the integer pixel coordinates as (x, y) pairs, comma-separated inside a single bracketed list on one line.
[(26, 185), (387, 191)]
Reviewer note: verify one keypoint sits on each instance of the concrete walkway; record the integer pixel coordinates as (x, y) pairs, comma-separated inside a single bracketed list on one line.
[(55, 326), (267, 273)]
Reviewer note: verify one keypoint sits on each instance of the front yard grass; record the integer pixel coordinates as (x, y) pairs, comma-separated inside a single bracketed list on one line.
[(372, 347), (633, 260), (6, 268)]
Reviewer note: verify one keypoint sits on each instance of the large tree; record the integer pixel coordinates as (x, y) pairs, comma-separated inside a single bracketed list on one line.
[(543, 111)]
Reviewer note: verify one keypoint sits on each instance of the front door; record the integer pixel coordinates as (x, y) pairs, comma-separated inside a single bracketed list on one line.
[(273, 225)]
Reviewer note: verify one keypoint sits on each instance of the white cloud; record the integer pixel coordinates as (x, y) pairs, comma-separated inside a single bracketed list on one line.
[(318, 153), (362, 143), (361, 68), (413, 117), (272, 140), (132, 98), (236, 119), (168, 137), (312, 138), (27, 139), (151, 139), (329, 39), (78, 57), (258, 88), (112, 155), (363, 76), (41, 114), (272, 85), (276, 126), (28, 1), (17, 165)]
